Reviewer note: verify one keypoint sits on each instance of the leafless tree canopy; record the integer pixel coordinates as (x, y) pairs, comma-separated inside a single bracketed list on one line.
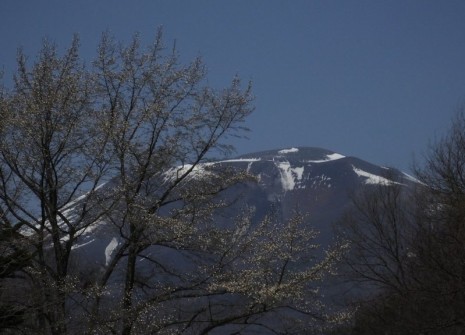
[(409, 245)]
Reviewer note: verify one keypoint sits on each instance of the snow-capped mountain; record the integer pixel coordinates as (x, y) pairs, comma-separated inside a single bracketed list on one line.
[(186, 262), (313, 181)]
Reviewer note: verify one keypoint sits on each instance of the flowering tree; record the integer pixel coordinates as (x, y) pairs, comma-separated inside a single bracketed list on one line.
[(142, 125)]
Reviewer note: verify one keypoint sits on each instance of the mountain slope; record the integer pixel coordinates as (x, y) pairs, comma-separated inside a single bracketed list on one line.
[(313, 181)]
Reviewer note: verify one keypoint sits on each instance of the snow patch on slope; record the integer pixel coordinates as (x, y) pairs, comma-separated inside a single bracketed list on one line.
[(177, 172), (287, 151), (411, 178), (372, 178), (320, 181), (331, 157), (201, 169), (238, 160), (289, 176), (110, 249), (77, 246)]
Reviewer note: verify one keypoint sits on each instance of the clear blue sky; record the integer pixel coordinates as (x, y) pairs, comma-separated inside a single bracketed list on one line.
[(373, 79)]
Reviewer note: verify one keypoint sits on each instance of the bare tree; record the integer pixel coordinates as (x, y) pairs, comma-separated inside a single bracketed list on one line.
[(441, 229), (380, 228), (409, 245)]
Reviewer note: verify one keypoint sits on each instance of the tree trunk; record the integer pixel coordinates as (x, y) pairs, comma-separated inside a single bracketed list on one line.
[(128, 318)]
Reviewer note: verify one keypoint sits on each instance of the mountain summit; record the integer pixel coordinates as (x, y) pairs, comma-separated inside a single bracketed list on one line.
[(313, 181), (237, 249)]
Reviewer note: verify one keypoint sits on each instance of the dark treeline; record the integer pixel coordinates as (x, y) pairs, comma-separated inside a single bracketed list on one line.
[(408, 248)]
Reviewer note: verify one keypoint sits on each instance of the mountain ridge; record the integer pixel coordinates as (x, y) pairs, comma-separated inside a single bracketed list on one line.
[(312, 182), (316, 181)]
